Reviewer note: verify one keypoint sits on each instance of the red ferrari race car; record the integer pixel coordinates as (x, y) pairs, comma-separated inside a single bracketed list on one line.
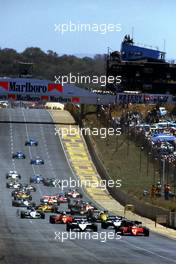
[(62, 218), (133, 228), (73, 194)]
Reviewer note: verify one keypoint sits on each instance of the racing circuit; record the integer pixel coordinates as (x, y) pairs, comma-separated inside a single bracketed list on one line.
[(33, 241)]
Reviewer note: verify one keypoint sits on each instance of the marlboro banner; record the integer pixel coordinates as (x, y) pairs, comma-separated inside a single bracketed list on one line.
[(26, 89)]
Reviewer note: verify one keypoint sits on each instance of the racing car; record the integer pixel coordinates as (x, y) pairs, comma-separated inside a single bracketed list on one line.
[(16, 191), (31, 142), (32, 214), (51, 182), (36, 178), (47, 208), (74, 202), (22, 195), (25, 188), (81, 207), (13, 185), (73, 194), (133, 228), (37, 161), (18, 155), (81, 224), (61, 218), (13, 175), (112, 221), (62, 198), (22, 203), (97, 215), (49, 199), (29, 187), (79, 210)]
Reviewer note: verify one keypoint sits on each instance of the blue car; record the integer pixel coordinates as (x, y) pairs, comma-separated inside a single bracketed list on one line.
[(36, 179), (31, 142), (18, 155), (37, 161)]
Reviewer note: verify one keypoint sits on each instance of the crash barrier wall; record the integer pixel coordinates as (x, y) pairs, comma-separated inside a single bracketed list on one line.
[(172, 219), (143, 209), (161, 219)]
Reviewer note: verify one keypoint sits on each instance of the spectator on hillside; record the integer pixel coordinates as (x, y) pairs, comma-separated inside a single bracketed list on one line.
[(153, 191), (158, 189), (166, 191)]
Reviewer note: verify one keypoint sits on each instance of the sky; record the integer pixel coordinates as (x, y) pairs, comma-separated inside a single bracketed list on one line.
[(37, 23)]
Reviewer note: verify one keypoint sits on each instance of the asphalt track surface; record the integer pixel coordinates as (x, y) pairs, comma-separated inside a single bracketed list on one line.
[(35, 241)]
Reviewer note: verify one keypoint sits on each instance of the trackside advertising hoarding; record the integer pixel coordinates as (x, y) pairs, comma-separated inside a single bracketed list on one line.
[(33, 90), (24, 89)]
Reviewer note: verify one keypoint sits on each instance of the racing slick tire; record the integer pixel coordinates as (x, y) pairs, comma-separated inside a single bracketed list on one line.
[(51, 220), (68, 227), (146, 232), (95, 228), (104, 225), (22, 215), (55, 209), (117, 230), (13, 204), (42, 216)]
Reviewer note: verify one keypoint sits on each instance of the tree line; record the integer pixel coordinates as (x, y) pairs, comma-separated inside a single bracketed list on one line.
[(46, 65)]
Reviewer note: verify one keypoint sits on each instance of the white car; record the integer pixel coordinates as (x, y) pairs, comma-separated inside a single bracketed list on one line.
[(13, 185), (49, 199), (13, 175), (112, 221)]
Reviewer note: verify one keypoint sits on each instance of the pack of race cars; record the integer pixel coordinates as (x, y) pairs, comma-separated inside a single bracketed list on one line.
[(79, 215)]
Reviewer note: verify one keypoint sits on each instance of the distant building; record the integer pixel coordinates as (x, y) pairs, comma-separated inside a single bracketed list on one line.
[(142, 69)]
